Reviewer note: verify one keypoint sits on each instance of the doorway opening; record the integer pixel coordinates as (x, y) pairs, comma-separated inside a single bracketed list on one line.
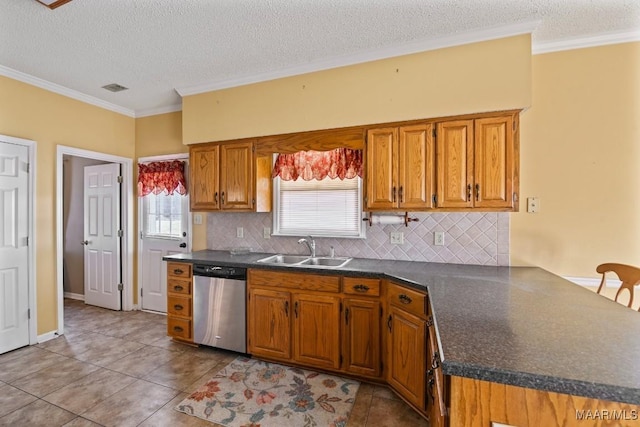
[(78, 159)]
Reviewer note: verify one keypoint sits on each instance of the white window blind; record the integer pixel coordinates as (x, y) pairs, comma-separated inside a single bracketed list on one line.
[(326, 208)]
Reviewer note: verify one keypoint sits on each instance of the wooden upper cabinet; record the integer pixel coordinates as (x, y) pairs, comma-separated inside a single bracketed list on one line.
[(381, 166), (400, 167), (222, 177), (416, 167), (454, 157), (493, 165), (236, 176), (203, 177), (476, 163)]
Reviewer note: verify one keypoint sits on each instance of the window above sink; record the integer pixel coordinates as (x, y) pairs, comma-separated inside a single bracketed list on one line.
[(318, 193)]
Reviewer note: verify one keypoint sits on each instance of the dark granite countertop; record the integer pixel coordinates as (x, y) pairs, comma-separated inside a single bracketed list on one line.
[(521, 326)]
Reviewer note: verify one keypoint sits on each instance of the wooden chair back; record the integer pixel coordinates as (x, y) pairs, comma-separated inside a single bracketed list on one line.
[(628, 275)]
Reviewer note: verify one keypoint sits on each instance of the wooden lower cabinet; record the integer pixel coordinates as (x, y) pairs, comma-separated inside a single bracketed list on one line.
[(319, 321), (406, 355), (362, 338), (295, 317), (316, 330), (179, 301), (269, 331), (436, 397)]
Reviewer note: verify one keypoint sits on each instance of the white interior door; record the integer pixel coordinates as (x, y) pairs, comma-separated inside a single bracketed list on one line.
[(14, 215), (164, 231), (101, 236)]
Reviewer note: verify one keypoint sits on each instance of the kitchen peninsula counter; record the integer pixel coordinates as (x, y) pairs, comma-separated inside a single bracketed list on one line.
[(521, 326)]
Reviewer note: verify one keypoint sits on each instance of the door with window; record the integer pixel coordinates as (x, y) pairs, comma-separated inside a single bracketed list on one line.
[(164, 229)]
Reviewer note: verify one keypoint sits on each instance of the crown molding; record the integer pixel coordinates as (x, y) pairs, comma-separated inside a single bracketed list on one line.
[(584, 42), (65, 91), (416, 46), (159, 110)]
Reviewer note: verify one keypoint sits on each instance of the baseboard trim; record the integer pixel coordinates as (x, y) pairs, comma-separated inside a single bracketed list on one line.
[(48, 336), (591, 282), (71, 295)]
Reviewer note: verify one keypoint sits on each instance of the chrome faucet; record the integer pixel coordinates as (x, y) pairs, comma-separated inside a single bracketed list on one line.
[(311, 244)]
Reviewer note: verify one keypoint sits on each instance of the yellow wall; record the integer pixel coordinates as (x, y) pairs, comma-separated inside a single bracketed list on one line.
[(162, 134), (479, 77), (580, 154), (50, 119)]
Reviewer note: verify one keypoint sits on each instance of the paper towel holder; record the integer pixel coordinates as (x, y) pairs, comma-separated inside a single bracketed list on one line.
[(407, 219)]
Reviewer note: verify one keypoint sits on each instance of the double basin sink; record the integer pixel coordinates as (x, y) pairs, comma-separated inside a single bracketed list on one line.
[(305, 261)]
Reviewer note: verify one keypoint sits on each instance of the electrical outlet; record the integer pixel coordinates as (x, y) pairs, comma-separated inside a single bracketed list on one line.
[(397, 238), (533, 205), (438, 238), (240, 233), (197, 219), (266, 233)]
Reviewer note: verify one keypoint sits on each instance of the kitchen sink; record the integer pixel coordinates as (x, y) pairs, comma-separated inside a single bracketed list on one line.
[(326, 262), (284, 259), (305, 261)]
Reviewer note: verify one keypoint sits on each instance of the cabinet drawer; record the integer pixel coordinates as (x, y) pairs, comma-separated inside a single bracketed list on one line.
[(179, 286), (179, 328), (179, 269), (309, 282), (179, 305), (412, 301), (359, 286)]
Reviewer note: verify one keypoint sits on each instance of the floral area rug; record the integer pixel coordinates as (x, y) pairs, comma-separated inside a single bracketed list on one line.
[(250, 393)]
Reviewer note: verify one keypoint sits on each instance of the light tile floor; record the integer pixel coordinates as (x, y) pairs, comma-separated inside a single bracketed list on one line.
[(120, 369)]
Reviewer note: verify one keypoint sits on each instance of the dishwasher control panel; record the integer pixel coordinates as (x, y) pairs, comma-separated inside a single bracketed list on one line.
[(220, 271)]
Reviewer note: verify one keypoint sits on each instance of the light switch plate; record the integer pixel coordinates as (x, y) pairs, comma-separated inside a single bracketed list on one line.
[(197, 219), (240, 232), (266, 232)]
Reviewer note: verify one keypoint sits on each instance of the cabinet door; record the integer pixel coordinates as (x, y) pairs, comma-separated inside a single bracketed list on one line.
[(416, 167), (316, 330), (493, 162), (362, 336), (236, 177), (203, 178), (381, 168), (406, 353), (435, 382), (454, 158), (269, 324)]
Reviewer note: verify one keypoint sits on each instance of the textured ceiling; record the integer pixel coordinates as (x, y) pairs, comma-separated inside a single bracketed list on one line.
[(154, 47)]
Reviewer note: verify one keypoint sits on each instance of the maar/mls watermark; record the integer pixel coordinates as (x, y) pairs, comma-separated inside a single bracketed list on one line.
[(607, 414)]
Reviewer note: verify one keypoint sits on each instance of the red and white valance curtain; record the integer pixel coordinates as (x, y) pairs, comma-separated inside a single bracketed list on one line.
[(157, 177), (307, 165)]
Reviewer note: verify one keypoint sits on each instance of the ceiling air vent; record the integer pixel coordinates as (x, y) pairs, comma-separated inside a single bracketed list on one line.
[(114, 87)]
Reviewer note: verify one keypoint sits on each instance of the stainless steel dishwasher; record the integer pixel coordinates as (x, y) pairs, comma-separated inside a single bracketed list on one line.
[(219, 307)]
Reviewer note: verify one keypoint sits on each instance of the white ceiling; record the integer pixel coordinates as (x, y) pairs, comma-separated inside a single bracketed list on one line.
[(158, 48)]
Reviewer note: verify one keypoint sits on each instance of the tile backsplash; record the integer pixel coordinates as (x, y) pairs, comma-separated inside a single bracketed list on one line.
[(470, 238)]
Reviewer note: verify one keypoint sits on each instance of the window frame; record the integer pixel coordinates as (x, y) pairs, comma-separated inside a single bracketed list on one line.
[(184, 219), (276, 231)]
